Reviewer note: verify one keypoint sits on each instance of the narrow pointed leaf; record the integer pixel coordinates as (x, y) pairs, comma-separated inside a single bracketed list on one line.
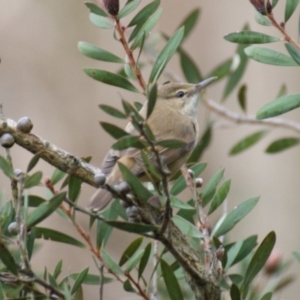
[(262, 20), (180, 183), (151, 100), (290, 7), (186, 227), (127, 286), (57, 176), (189, 67), (96, 9), (136, 186), (128, 8), (111, 79), (79, 280), (259, 259), (176, 202), (235, 293), (250, 37), (236, 215), (247, 142), (133, 227), (171, 282), (269, 56), (94, 52), (128, 141), (294, 52), (274, 3), (220, 196), (130, 250), (45, 209), (279, 106), (35, 159), (145, 29), (232, 253), (134, 260), (171, 144), (56, 236), (112, 111), (58, 269), (282, 91), (166, 54), (144, 13), (221, 70), (190, 22), (74, 188), (115, 131), (101, 22), (33, 180), (267, 296), (242, 97), (6, 167), (7, 259), (210, 187), (144, 260), (110, 263), (282, 144)]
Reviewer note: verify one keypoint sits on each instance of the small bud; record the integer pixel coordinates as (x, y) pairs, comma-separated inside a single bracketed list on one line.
[(124, 203), (261, 7), (198, 182), (133, 215), (122, 188), (273, 262), (12, 228), (112, 6), (19, 174), (220, 253), (7, 140), (191, 173), (99, 179), (24, 124)]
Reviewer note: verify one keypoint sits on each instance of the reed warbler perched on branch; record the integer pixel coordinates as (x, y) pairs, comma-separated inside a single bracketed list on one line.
[(174, 118)]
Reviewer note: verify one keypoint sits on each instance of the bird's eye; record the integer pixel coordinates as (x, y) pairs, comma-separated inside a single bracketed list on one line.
[(180, 94)]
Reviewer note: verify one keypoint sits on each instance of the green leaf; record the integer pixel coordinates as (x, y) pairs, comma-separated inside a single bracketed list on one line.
[(175, 202), (186, 227), (282, 144), (7, 259), (210, 187), (144, 30), (250, 37), (133, 227), (33, 180), (74, 188), (247, 142), (57, 176), (297, 255), (190, 22), (35, 159), (242, 97), (259, 259), (171, 282), (144, 260), (94, 52), (144, 13), (101, 22), (294, 52), (269, 56), (115, 131), (110, 263), (221, 70), (171, 144), (279, 106), (282, 91), (112, 111), (56, 236), (130, 250), (235, 293), (189, 68), (151, 100), (236, 215), (79, 280), (220, 196), (267, 296), (262, 20), (135, 184), (127, 286), (166, 54), (290, 7), (232, 253), (111, 79), (91, 279), (274, 3), (45, 209), (180, 183), (128, 141), (128, 8), (238, 72), (96, 9), (134, 260), (34, 201), (6, 167), (202, 145), (58, 269)]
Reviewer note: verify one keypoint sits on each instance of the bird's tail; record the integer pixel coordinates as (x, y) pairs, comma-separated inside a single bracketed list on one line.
[(100, 200)]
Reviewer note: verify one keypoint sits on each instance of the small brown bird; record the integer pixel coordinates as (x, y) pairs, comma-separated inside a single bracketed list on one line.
[(174, 118)]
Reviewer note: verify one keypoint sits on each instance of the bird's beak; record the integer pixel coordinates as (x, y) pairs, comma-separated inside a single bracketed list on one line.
[(201, 85)]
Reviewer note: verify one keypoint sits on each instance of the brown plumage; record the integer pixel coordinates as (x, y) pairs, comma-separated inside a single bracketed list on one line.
[(174, 117)]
